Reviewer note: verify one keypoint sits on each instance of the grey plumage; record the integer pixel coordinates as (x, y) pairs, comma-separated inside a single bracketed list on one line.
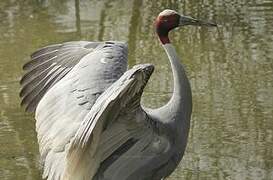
[(47, 66), (89, 120), (107, 133)]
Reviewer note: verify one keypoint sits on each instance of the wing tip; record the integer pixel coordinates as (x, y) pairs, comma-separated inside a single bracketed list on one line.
[(44, 49)]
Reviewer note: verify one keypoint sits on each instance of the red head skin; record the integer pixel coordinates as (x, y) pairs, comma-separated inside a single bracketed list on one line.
[(164, 23)]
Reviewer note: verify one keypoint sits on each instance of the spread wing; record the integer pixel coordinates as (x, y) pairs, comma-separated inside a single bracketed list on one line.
[(125, 92), (61, 85), (50, 64), (115, 119)]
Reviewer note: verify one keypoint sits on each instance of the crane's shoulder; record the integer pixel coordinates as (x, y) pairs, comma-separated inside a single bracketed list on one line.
[(111, 46)]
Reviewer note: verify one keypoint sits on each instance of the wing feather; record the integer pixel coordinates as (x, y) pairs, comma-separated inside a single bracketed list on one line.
[(62, 89), (109, 105), (47, 66), (116, 97)]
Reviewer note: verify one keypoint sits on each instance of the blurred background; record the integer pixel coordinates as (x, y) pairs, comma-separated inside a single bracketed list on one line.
[(230, 69)]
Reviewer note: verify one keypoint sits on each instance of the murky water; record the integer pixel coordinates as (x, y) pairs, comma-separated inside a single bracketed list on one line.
[(230, 69)]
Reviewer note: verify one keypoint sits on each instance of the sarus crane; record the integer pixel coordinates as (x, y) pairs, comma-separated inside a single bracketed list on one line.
[(89, 120)]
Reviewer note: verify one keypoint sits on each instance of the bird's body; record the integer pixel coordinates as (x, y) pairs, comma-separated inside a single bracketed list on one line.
[(89, 120)]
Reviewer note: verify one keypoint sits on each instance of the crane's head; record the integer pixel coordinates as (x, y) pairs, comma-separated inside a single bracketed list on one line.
[(168, 19)]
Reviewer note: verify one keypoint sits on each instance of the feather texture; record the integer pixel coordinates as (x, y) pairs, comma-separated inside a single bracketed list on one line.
[(62, 83), (88, 114), (47, 66), (90, 141)]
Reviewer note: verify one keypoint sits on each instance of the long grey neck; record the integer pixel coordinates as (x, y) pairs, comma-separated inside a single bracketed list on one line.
[(177, 112), (175, 115), (181, 100)]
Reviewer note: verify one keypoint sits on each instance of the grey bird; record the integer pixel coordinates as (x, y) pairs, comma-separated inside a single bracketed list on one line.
[(89, 121)]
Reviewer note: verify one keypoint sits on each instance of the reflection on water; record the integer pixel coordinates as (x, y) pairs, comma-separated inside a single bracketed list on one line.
[(230, 70)]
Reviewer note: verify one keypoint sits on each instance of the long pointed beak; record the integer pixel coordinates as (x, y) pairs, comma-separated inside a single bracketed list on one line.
[(187, 20)]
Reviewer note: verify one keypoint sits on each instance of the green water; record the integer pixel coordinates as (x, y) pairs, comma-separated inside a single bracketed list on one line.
[(230, 69)]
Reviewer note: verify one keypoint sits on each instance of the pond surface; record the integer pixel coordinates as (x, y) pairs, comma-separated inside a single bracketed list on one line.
[(230, 69)]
